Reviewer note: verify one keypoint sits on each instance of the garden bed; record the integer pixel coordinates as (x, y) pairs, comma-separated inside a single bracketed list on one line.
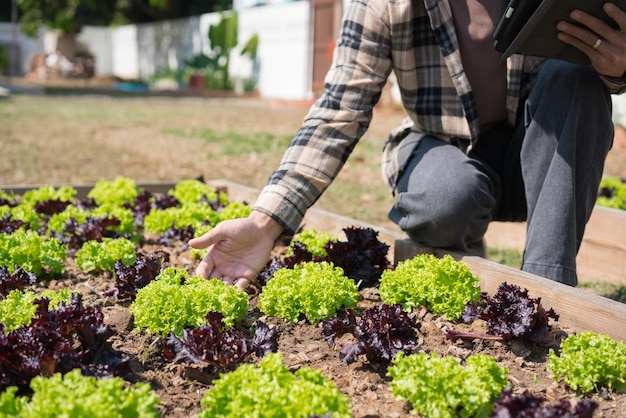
[(181, 387)]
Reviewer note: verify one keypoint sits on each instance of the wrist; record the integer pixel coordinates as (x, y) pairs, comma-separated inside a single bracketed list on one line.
[(267, 225)]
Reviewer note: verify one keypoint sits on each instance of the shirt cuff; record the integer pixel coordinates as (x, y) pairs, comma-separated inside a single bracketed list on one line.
[(616, 85), (274, 202)]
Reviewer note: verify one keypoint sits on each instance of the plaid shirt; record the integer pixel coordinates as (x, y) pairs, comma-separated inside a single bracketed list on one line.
[(416, 40)]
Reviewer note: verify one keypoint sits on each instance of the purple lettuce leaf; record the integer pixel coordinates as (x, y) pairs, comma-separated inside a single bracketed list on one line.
[(129, 279), (381, 332), (8, 226), (509, 314), (18, 280), (59, 340), (224, 349), (527, 405), (362, 256)]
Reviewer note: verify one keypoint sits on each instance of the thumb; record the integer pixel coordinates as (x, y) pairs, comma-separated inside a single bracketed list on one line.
[(206, 240)]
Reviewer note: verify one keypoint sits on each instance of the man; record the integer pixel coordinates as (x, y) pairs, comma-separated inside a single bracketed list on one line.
[(483, 140)]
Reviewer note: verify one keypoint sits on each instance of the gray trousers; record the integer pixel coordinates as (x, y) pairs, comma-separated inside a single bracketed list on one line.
[(546, 171)]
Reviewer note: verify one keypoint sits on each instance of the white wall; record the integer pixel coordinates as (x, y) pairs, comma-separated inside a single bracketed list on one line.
[(283, 58), (99, 39), (283, 52)]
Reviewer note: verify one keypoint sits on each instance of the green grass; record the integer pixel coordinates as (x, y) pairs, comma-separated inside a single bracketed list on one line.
[(234, 143), (608, 290), (505, 256)]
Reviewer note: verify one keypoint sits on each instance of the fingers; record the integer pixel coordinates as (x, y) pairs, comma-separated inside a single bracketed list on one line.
[(205, 240), (205, 267)]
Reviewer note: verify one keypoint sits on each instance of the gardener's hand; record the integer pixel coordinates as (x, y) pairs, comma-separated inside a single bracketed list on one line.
[(238, 249), (604, 45)]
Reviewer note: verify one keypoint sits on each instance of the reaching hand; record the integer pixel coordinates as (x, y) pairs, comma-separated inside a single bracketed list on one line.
[(604, 45), (238, 249)]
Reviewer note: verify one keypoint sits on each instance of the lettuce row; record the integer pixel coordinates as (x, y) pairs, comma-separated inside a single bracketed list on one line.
[(44, 193)]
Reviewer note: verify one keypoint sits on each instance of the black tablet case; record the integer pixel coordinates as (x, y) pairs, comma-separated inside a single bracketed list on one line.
[(529, 27)]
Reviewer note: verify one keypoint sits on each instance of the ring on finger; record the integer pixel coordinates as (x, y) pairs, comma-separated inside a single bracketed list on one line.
[(597, 44)]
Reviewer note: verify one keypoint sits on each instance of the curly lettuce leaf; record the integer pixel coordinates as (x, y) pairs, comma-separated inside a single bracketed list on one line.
[(588, 361), (172, 302), (272, 390), (117, 192), (75, 395), (443, 285), (442, 387), (315, 290), (32, 252), (18, 308), (101, 256)]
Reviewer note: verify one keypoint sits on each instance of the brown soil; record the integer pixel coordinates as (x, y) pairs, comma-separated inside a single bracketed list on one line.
[(181, 387)]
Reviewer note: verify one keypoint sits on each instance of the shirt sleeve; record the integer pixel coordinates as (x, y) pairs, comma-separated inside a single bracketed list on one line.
[(337, 120)]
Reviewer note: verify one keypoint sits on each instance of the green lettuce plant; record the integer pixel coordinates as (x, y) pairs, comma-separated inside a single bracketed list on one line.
[(588, 361), (174, 301), (32, 252), (442, 387), (195, 191), (272, 390), (314, 240), (47, 192), (102, 255), (18, 309), (612, 193), (116, 192), (76, 396), (191, 214), (315, 290), (235, 210), (443, 285)]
